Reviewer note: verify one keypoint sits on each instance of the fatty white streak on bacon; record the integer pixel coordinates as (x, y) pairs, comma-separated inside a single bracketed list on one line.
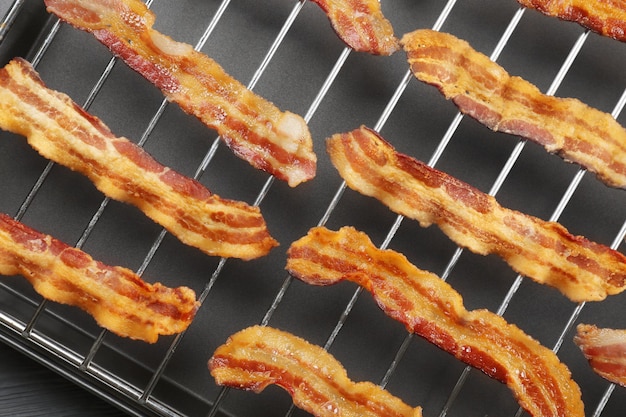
[(605, 349), (483, 90), (431, 308), (116, 297), (257, 131), (62, 131), (606, 17), (361, 25), (260, 356), (543, 251)]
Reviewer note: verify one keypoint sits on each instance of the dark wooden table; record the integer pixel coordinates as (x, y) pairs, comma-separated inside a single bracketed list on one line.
[(29, 389)]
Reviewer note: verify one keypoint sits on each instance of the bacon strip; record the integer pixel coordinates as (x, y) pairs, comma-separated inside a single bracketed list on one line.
[(483, 90), (431, 308), (605, 349), (61, 131), (116, 297), (543, 251), (258, 132), (361, 25), (606, 17), (259, 356)]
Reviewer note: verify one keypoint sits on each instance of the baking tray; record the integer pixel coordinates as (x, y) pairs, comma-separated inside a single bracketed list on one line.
[(287, 52)]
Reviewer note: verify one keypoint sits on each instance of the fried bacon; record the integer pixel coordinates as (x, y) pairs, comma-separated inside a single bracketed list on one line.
[(605, 349), (431, 308), (483, 90), (361, 25), (116, 297), (61, 131), (258, 132), (259, 356), (543, 251), (606, 17)]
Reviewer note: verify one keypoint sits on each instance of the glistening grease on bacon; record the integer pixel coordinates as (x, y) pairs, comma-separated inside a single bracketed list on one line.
[(361, 25), (255, 129), (606, 17), (63, 132), (116, 297), (543, 251), (260, 356), (431, 308), (605, 349), (483, 90)]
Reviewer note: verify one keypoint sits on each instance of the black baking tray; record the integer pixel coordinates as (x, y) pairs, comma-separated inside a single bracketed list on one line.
[(313, 74)]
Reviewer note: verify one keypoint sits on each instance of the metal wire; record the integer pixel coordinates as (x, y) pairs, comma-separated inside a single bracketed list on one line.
[(85, 364), (493, 191), (143, 395), (9, 18)]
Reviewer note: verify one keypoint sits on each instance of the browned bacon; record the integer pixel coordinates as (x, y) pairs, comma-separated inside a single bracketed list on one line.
[(274, 141), (63, 132), (543, 251), (259, 356), (605, 349), (116, 297), (431, 308), (485, 91), (606, 17), (361, 25)]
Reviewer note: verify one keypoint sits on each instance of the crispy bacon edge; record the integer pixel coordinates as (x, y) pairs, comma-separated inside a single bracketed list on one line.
[(253, 128), (258, 356), (118, 299), (606, 17), (483, 90), (432, 309), (541, 250), (62, 131), (605, 349), (361, 25)]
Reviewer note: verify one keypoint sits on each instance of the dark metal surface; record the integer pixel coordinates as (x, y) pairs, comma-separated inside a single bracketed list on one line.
[(311, 73)]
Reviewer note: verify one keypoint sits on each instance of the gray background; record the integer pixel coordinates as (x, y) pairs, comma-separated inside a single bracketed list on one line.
[(243, 291)]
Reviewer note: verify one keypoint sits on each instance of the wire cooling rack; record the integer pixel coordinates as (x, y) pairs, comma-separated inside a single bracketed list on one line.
[(286, 51)]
